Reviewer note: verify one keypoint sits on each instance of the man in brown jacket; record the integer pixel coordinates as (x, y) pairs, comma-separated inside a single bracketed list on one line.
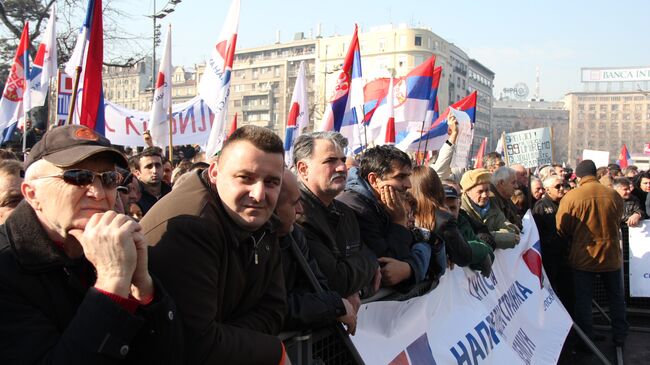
[(588, 217), (217, 252)]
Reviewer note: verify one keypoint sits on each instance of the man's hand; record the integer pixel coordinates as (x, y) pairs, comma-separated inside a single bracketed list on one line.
[(634, 220), (376, 281), (452, 127), (355, 300), (394, 205), (108, 242), (141, 284), (349, 319), (394, 271)]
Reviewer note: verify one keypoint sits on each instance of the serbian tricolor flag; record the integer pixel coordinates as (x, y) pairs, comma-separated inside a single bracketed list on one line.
[(162, 97), (14, 97), (44, 67), (411, 100), (478, 163), (624, 157), (433, 112), (215, 83), (298, 114), (437, 134), (88, 55)]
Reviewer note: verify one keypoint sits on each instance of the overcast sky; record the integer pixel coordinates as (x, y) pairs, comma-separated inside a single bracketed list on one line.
[(510, 37)]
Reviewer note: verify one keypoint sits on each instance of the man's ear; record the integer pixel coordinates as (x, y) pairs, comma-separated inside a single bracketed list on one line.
[(373, 180), (29, 193), (301, 169), (213, 171)]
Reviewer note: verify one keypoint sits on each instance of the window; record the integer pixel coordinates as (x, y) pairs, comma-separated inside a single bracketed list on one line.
[(638, 107), (614, 107), (581, 107), (603, 107), (237, 103), (418, 40), (592, 107)]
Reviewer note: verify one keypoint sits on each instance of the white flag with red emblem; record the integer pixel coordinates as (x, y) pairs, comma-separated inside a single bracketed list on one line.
[(215, 82), (162, 96), (298, 114), (45, 65)]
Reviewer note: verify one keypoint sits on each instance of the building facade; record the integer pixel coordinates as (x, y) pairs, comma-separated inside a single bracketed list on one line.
[(518, 115), (480, 79), (605, 121)]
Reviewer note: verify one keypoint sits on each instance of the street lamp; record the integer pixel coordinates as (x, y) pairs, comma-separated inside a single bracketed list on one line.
[(166, 10)]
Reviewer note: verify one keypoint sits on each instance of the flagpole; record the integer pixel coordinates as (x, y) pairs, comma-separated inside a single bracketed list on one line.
[(552, 146), (171, 148), (73, 99), (54, 102)]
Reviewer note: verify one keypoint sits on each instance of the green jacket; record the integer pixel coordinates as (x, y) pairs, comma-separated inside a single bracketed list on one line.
[(505, 233), (479, 248)]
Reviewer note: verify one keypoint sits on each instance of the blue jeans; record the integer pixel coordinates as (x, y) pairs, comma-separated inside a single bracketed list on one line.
[(584, 286)]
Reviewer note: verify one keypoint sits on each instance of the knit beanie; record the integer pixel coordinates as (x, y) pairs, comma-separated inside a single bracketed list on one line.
[(586, 168), (474, 177)]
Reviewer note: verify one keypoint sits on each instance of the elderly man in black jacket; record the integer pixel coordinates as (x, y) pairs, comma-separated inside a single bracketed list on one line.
[(555, 248), (217, 252), (330, 226), (74, 283), (308, 307)]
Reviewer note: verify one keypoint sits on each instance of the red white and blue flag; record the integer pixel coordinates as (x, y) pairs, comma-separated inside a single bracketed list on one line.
[(44, 67), (478, 160), (15, 97), (298, 114), (411, 101), (89, 55), (624, 158), (387, 135), (344, 113), (162, 96), (437, 134), (533, 259), (215, 83)]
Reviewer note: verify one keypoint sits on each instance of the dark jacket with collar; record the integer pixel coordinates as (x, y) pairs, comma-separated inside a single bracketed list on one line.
[(231, 306), (50, 314), (383, 237), (306, 309), (552, 243), (147, 200), (508, 208), (632, 205), (334, 239)]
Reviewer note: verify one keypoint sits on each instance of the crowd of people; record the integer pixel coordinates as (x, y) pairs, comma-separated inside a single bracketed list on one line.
[(107, 257)]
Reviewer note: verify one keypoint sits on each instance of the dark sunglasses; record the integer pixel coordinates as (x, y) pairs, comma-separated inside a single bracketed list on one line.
[(558, 186), (110, 179)]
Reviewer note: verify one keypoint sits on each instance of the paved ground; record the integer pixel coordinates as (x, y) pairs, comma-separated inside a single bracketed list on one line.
[(636, 351)]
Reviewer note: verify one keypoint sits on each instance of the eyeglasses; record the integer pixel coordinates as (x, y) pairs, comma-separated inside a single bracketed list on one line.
[(559, 186), (83, 178)]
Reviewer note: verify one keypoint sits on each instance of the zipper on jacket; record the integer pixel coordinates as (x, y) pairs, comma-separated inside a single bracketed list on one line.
[(256, 244)]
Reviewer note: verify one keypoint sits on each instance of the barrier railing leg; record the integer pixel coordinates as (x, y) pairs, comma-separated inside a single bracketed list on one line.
[(601, 310), (591, 345)]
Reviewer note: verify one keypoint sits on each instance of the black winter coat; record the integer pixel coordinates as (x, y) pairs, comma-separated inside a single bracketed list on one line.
[(50, 314), (334, 239)]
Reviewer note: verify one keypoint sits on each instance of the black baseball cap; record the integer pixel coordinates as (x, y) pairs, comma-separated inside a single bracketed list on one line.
[(70, 144), (450, 192)]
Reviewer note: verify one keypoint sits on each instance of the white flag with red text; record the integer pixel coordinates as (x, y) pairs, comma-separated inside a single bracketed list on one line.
[(162, 96)]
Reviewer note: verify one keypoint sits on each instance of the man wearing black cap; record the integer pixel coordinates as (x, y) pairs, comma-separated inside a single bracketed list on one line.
[(588, 217), (74, 282)]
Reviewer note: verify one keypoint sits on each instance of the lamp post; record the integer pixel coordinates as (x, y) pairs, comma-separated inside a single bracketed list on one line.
[(168, 8)]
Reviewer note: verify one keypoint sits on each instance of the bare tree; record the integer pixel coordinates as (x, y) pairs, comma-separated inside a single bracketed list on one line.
[(121, 48)]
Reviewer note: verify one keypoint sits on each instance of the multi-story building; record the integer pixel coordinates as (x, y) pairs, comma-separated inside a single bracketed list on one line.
[(480, 78), (124, 85), (518, 115), (613, 109)]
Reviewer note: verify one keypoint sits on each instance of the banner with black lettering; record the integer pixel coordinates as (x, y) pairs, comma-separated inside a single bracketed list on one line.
[(639, 258), (512, 317), (191, 123)]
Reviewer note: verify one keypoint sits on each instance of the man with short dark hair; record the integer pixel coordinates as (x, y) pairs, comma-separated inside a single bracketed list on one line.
[(493, 161), (148, 168), (633, 212), (375, 192), (588, 217), (330, 226), (217, 252), (74, 283)]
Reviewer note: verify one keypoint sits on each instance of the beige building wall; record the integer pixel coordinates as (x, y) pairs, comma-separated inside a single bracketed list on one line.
[(606, 121)]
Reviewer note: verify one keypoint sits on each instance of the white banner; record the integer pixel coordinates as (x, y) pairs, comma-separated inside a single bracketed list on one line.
[(191, 123), (639, 256), (600, 158), (464, 141), (513, 317), (530, 148)]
